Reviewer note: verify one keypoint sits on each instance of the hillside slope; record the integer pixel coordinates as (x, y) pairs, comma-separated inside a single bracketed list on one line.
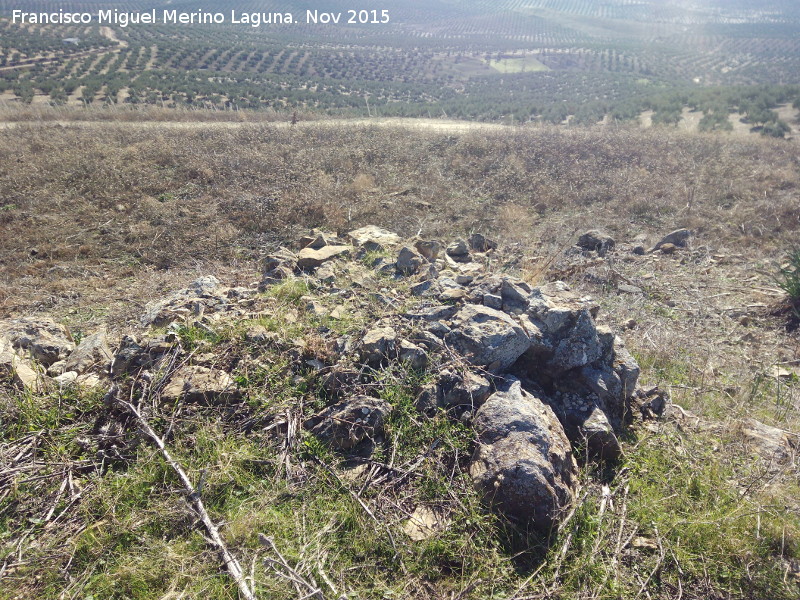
[(248, 375)]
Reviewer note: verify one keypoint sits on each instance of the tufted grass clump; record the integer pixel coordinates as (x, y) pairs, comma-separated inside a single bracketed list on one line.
[(788, 277)]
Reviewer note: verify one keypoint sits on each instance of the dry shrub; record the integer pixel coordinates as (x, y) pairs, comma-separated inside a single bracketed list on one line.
[(517, 221), (362, 183)]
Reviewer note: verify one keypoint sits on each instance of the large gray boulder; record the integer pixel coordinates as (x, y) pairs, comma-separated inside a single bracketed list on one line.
[(45, 340), (523, 464), (487, 337), (566, 336)]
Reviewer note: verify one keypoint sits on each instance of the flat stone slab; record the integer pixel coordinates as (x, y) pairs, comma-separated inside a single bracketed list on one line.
[(310, 258)]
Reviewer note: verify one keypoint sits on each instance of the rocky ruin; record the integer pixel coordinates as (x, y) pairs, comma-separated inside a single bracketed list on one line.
[(526, 365)]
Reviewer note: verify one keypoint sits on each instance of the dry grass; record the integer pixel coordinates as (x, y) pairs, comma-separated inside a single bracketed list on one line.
[(131, 200), (44, 113), (119, 218)]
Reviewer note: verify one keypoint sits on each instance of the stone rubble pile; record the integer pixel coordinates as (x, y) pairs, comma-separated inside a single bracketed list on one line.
[(526, 365)]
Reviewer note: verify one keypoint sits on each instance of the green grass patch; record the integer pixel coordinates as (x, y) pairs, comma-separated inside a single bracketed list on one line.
[(683, 523), (288, 291)]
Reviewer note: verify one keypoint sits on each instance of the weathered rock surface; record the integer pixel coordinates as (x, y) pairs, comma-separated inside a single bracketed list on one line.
[(348, 423), (430, 249), (480, 243), (596, 241), (455, 391), (92, 351), (373, 236), (42, 338), (770, 443), (203, 296), (514, 296), (487, 337), (408, 261), (463, 388), (425, 522), (378, 344), (309, 258), (565, 383), (458, 248), (19, 371), (132, 357), (200, 384), (317, 239), (66, 378), (677, 238), (599, 437), (412, 354), (568, 335), (523, 465), (277, 266)]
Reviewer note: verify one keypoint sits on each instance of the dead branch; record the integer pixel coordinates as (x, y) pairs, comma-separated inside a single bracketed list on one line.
[(291, 574), (231, 563)]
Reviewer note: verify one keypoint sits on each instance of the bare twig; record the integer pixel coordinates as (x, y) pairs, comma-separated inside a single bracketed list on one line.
[(231, 563), (291, 573), (661, 554)]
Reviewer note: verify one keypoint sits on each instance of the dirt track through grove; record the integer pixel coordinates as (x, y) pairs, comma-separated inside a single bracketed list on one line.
[(441, 125), (438, 125)]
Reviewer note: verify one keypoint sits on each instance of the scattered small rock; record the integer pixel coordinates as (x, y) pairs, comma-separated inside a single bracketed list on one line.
[(200, 384), (677, 238), (596, 241), (430, 249), (42, 338), (480, 243), (92, 350), (378, 344), (629, 289), (309, 258), (19, 371), (373, 236), (408, 261), (425, 522), (458, 248), (413, 355), (346, 424)]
